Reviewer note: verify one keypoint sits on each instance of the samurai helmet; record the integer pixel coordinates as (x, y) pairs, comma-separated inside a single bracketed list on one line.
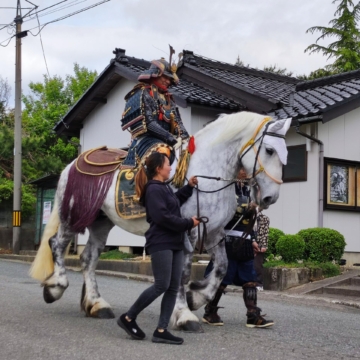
[(159, 68)]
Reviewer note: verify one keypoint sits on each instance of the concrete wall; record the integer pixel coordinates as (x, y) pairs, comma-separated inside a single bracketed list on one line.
[(297, 207)]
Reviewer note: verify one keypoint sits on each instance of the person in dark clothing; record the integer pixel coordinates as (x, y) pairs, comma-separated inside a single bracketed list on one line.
[(262, 237), (165, 244), (151, 114), (240, 271)]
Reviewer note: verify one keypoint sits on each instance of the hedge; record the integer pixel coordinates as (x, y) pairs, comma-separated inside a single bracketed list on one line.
[(274, 235), (322, 244), (290, 247)]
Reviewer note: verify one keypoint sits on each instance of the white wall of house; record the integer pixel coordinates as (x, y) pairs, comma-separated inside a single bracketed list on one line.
[(102, 127), (297, 207)]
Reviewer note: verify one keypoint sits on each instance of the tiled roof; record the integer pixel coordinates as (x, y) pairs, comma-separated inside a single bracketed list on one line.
[(189, 91), (316, 96), (290, 96), (293, 97), (230, 87), (265, 84)]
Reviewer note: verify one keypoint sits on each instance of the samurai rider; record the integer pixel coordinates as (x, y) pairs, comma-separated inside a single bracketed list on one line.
[(151, 114), (240, 244)]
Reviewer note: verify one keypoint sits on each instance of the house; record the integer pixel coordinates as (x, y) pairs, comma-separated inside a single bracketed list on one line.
[(322, 142)]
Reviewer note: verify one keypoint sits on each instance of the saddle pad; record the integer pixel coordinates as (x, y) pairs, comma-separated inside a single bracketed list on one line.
[(126, 202), (100, 160)]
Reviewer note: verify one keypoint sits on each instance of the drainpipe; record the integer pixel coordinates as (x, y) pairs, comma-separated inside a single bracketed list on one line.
[(321, 165)]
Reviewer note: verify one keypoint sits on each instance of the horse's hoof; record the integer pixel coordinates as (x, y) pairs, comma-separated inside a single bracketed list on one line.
[(104, 313), (48, 296), (191, 327)]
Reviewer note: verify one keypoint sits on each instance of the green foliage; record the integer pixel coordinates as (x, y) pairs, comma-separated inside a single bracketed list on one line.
[(278, 70), (116, 255), (274, 235), (346, 49), (43, 152), (328, 269), (322, 244), (290, 247)]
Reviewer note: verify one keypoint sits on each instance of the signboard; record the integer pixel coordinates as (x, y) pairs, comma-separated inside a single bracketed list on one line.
[(46, 212)]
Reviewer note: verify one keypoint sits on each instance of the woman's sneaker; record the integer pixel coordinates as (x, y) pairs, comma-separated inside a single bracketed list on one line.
[(166, 338), (131, 327)]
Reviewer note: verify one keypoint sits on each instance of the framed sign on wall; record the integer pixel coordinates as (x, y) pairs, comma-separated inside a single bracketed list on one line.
[(341, 185)]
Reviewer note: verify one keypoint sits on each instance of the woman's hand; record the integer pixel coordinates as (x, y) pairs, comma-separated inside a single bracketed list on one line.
[(193, 181), (255, 247), (196, 221)]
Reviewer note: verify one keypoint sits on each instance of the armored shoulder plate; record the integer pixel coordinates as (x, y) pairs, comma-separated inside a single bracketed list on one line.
[(133, 117)]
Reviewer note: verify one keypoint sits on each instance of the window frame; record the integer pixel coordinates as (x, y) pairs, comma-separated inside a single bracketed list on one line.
[(296, 178)]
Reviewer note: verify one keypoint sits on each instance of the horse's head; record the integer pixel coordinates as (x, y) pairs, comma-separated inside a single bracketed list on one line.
[(263, 158)]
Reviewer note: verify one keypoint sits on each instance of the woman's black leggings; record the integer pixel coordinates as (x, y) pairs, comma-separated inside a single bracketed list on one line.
[(167, 267)]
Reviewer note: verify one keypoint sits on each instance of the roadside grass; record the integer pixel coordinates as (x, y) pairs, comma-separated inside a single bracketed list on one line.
[(116, 255), (328, 269)]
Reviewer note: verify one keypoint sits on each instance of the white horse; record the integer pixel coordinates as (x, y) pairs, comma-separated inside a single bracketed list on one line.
[(222, 147)]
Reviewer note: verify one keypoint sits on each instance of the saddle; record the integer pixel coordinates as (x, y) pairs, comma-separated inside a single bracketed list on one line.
[(100, 161)]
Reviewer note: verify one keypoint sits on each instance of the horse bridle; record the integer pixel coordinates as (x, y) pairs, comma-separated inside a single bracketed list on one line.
[(251, 181), (252, 144)]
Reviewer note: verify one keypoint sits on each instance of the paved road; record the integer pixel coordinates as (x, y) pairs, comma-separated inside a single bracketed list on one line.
[(31, 329)]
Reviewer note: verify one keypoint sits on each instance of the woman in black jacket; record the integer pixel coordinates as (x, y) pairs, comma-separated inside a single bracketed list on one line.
[(165, 244)]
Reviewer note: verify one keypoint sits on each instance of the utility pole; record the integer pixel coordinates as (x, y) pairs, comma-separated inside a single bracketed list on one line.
[(17, 135)]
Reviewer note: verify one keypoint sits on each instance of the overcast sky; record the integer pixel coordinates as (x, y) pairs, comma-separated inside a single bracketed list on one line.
[(261, 32)]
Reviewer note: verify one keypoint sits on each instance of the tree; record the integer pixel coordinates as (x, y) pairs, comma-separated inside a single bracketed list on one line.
[(271, 68), (43, 152), (346, 49), (277, 70)]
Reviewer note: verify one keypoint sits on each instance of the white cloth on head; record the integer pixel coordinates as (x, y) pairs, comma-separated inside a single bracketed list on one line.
[(279, 127)]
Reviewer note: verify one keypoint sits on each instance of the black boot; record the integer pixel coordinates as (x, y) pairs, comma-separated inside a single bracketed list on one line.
[(254, 317), (211, 316), (256, 320)]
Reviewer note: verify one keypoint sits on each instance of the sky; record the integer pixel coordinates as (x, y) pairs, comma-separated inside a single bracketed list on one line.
[(261, 32)]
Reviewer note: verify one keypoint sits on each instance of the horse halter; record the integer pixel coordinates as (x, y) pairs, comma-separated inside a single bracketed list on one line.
[(252, 144)]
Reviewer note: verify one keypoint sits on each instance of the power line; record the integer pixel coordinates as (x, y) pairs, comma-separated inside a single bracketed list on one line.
[(55, 20), (42, 46), (75, 2), (67, 16), (48, 7)]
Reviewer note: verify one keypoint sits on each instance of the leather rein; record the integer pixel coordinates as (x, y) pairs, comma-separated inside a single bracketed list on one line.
[(251, 181)]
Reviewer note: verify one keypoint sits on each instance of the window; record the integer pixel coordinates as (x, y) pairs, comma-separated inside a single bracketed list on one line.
[(296, 167), (342, 185)]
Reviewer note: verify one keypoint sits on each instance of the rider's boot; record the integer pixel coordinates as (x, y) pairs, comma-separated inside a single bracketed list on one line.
[(211, 316), (254, 317)]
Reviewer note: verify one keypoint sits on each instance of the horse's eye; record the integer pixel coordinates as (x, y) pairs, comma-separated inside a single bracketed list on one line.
[(269, 151)]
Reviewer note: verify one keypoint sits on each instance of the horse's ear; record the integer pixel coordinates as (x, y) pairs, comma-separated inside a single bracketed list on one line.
[(280, 126)]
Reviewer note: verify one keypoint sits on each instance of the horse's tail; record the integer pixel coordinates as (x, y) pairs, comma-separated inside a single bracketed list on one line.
[(43, 265)]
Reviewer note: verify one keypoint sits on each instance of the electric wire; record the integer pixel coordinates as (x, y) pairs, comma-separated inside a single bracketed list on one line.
[(1, 43), (73, 3), (48, 7), (42, 47), (67, 16), (55, 20)]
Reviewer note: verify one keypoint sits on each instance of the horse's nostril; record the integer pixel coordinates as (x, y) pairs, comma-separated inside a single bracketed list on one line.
[(268, 200)]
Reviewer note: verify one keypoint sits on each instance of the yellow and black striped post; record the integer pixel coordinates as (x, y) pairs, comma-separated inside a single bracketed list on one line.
[(16, 218)]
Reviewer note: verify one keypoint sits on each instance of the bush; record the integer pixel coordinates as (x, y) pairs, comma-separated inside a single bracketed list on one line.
[(328, 269), (274, 235), (290, 247), (322, 244)]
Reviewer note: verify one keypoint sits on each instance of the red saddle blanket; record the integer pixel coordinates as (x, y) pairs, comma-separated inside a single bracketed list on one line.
[(100, 161)]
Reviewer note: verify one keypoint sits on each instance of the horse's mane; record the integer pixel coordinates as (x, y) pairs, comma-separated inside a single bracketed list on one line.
[(228, 127)]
